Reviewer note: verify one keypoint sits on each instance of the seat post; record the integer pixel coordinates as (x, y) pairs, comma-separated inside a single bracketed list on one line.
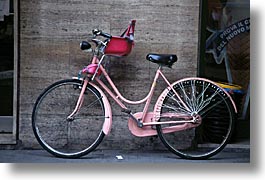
[(160, 67)]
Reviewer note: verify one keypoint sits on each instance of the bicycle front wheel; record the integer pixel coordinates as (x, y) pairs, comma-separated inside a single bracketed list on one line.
[(63, 136), (209, 103)]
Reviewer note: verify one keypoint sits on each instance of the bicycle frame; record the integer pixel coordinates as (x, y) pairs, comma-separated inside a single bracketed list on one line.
[(118, 98), (140, 123)]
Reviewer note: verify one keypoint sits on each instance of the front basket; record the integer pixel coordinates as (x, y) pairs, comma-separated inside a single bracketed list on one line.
[(119, 46)]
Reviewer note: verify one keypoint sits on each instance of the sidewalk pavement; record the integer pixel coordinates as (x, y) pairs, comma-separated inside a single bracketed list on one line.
[(233, 153)]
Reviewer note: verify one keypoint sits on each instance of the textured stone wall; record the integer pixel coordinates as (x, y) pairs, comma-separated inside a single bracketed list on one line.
[(50, 35)]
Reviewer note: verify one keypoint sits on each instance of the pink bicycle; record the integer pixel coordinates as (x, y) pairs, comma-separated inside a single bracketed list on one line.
[(71, 117)]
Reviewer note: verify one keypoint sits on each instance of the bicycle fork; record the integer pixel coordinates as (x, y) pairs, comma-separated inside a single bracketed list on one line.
[(79, 102)]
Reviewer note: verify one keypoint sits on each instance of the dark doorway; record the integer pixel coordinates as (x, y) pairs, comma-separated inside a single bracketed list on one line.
[(8, 70), (225, 52)]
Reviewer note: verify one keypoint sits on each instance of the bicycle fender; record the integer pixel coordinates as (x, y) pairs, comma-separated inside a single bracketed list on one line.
[(107, 108)]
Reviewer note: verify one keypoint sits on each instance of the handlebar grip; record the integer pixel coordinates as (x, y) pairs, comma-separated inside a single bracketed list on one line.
[(96, 32)]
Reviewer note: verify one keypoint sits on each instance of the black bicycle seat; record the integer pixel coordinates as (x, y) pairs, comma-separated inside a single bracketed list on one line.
[(162, 59)]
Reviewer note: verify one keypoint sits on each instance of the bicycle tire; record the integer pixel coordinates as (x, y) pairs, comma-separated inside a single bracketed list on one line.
[(215, 109), (60, 136)]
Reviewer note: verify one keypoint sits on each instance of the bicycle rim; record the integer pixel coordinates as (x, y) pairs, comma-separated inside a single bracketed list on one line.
[(214, 108), (61, 136)]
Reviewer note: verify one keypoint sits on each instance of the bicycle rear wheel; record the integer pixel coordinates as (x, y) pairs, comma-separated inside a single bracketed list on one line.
[(211, 104), (68, 137)]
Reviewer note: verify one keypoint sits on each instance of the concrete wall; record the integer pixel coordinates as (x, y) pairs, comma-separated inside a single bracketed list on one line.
[(50, 35)]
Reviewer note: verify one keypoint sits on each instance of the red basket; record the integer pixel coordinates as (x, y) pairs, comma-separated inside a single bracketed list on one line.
[(121, 45), (118, 46)]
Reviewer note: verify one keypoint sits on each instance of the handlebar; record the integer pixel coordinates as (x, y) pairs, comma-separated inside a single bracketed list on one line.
[(97, 32), (99, 43)]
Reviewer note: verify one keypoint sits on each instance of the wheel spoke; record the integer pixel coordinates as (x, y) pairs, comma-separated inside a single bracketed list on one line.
[(186, 97), (202, 113), (181, 107), (207, 101)]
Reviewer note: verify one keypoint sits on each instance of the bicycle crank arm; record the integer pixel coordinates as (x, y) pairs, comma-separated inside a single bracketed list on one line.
[(139, 123)]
